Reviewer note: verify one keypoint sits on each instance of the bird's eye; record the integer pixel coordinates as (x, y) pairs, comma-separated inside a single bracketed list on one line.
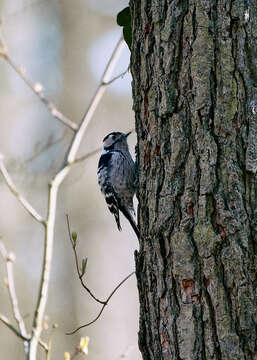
[(115, 136)]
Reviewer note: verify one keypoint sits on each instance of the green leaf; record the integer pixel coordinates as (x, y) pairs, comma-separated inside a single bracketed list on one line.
[(123, 17), (124, 20), (127, 33)]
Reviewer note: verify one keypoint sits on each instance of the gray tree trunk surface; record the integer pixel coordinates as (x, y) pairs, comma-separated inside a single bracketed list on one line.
[(194, 67)]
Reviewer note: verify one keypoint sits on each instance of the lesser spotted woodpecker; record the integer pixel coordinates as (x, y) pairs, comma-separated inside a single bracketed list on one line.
[(117, 177)]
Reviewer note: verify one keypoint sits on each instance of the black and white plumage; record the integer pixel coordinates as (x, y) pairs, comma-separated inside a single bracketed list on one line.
[(117, 177)]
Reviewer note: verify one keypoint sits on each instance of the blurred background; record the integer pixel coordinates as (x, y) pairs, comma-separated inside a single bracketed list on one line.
[(65, 46)]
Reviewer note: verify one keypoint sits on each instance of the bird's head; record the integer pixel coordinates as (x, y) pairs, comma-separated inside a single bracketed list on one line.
[(116, 141)]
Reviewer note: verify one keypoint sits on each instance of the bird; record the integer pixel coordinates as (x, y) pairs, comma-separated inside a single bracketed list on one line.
[(117, 177)]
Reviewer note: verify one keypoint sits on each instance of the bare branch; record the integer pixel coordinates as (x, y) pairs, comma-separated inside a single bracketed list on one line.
[(6, 321), (45, 274), (43, 345), (9, 259), (104, 305), (52, 198), (117, 77), (20, 198), (77, 137), (36, 88), (86, 156)]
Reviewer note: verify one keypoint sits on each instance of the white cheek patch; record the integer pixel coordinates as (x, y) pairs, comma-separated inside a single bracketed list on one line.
[(108, 142)]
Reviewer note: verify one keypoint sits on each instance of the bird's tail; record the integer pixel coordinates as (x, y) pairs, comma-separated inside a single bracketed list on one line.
[(117, 219), (129, 217)]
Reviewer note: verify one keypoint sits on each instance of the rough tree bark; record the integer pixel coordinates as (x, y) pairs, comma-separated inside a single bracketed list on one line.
[(194, 67)]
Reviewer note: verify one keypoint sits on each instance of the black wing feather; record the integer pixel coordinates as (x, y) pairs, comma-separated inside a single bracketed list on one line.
[(104, 160)]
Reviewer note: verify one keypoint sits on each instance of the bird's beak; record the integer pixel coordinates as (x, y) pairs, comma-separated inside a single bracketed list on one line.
[(126, 135)]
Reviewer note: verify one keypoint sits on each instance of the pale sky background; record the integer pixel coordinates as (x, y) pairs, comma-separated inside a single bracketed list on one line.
[(65, 45)]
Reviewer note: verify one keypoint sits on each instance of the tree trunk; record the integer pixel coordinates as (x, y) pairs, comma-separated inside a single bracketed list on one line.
[(194, 67)]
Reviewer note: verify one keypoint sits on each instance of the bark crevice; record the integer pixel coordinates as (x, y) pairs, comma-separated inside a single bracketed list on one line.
[(195, 101)]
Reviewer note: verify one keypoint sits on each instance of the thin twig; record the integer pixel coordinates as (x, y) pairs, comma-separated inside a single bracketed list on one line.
[(20, 198), (77, 137), (7, 322), (117, 77), (86, 156), (104, 305), (49, 346), (55, 112), (43, 345), (80, 274), (36, 88), (9, 259)]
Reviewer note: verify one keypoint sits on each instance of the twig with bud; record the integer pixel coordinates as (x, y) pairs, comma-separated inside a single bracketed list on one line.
[(73, 239), (82, 348), (81, 273)]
